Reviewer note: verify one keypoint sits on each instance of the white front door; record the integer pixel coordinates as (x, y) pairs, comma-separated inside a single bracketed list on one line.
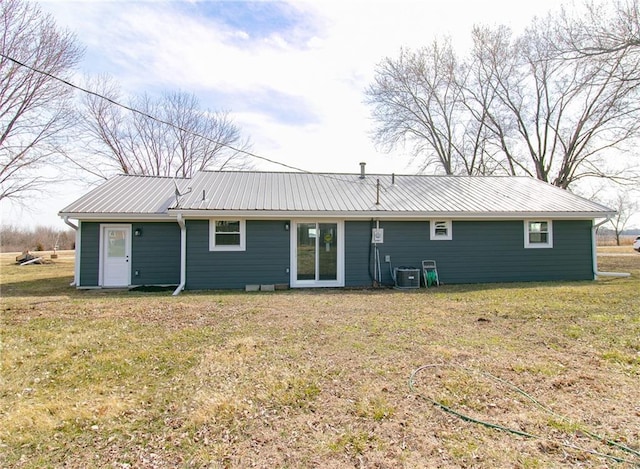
[(115, 255), (317, 254)]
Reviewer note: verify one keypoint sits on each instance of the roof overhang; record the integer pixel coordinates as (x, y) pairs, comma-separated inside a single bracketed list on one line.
[(120, 217), (387, 215), (172, 214)]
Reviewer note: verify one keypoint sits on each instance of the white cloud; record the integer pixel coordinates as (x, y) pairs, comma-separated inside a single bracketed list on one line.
[(320, 61)]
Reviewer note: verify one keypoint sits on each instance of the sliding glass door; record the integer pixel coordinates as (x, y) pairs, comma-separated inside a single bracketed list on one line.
[(317, 254)]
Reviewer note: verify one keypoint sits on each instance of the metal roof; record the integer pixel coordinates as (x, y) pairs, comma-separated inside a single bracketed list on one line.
[(281, 193), (124, 194)]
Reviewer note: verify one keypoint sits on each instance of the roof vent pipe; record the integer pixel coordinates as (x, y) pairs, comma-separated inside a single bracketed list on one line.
[(362, 165)]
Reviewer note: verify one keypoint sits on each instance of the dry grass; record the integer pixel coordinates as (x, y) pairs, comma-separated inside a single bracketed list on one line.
[(312, 378)]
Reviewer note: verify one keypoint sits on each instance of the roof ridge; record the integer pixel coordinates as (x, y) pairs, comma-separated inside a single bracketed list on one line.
[(323, 173), (150, 176)]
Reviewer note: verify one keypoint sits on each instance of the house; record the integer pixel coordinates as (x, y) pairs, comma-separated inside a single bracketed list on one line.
[(227, 230)]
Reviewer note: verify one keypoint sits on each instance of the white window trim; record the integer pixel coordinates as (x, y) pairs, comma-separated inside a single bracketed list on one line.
[(437, 237), (212, 235), (548, 244)]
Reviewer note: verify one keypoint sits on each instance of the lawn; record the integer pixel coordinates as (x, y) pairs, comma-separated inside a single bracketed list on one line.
[(320, 378)]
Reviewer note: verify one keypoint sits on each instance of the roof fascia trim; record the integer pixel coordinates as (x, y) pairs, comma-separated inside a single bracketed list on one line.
[(118, 216), (397, 215)]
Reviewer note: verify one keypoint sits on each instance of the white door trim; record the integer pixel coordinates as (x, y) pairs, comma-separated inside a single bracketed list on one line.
[(293, 279), (102, 262)]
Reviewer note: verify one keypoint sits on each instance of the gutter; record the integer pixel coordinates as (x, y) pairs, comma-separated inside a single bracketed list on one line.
[(183, 254), (76, 267), (124, 217), (381, 214), (594, 255)]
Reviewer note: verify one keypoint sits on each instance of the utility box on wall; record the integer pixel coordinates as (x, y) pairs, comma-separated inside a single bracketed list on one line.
[(377, 236)]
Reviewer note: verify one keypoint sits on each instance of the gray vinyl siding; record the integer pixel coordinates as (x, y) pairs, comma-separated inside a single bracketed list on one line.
[(357, 252), (264, 261), (89, 254), (155, 255), (480, 251)]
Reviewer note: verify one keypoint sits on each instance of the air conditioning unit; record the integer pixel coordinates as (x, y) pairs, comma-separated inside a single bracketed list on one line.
[(407, 277)]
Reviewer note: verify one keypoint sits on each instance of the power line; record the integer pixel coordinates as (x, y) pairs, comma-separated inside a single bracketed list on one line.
[(156, 119)]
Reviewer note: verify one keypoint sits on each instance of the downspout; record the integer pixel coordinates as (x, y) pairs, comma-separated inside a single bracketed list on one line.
[(76, 267), (594, 255), (183, 255)]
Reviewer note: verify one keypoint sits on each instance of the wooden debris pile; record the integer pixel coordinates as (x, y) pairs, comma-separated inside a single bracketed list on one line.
[(27, 258)]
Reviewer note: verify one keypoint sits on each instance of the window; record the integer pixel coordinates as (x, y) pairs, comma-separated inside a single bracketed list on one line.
[(440, 230), (538, 234), (227, 235)]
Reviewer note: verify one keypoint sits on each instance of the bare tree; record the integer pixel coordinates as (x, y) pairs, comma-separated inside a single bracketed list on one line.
[(556, 118), (203, 138), (418, 100), (515, 105), (626, 207), (15, 239), (35, 109), (598, 30), (169, 136)]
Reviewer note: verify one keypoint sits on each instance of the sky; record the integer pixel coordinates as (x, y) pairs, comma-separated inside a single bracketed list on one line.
[(292, 74)]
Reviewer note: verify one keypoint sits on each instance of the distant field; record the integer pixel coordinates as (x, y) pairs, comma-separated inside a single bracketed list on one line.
[(626, 249), (320, 378)]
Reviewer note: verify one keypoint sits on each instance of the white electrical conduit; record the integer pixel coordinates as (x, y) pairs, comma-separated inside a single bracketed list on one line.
[(183, 255), (596, 272), (377, 272)]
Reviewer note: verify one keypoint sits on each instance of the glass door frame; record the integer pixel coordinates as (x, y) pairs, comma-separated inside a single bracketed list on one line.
[(339, 281)]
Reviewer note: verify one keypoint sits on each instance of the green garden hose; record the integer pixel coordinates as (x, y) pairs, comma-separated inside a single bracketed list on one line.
[(513, 431), (432, 278)]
